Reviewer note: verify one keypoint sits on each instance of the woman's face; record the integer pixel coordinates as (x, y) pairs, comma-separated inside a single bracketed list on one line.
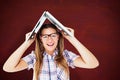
[(49, 39)]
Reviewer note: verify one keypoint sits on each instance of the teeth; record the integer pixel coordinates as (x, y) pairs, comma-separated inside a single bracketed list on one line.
[(50, 44)]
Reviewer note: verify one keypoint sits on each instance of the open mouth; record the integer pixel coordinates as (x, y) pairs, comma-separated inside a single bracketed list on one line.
[(50, 45)]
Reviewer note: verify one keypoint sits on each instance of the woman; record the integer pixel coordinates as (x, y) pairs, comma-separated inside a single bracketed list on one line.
[(49, 60)]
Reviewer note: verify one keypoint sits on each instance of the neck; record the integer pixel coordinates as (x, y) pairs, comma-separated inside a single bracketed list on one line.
[(50, 52)]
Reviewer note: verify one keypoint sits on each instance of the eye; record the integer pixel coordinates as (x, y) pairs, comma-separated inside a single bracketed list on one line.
[(44, 36), (54, 35)]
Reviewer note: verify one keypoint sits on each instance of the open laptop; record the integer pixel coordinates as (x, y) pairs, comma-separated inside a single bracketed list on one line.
[(60, 26), (38, 25), (52, 19)]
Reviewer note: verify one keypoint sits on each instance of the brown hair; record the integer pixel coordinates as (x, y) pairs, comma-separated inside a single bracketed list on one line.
[(39, 49)]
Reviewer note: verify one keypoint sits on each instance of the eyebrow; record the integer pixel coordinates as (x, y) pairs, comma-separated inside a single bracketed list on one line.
[(49, 34)]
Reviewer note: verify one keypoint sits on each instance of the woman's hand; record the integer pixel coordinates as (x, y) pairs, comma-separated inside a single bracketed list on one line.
[(31, 40), (66, 35)]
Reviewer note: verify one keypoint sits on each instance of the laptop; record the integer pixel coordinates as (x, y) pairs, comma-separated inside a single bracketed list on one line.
[(37, 26), (53, 20)]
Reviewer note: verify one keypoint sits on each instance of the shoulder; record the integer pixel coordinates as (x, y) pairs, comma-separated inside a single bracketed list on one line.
[(31, 54), (70, 57), (30, 57), (69, 54)]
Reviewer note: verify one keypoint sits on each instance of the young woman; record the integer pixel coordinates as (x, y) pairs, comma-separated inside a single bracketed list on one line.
[(49, 60)]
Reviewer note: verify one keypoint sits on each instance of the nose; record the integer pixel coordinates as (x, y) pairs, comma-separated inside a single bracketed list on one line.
[(50, 38)]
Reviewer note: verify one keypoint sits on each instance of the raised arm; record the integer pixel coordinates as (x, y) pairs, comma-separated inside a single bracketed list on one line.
[(86, 59), (14, 63)]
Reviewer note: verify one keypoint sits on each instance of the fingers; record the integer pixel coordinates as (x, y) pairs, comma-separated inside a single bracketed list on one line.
[(28, 35), (70, 30), (65, 35)]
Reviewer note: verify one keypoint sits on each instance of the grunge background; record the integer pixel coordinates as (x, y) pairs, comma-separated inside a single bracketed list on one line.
[(96, 24)]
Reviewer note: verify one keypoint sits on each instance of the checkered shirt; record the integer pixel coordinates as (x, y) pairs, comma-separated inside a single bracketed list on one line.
[(50, 70)]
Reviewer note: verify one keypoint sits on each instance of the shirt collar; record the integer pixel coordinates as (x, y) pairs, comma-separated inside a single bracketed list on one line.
[(54, 54)]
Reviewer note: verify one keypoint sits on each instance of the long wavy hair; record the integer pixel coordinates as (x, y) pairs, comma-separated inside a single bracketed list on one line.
[(39, 50)]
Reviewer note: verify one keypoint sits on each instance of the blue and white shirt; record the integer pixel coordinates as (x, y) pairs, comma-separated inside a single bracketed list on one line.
[(50, 70)]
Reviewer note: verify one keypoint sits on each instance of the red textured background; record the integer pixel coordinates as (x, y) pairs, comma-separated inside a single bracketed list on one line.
[(96, 24)]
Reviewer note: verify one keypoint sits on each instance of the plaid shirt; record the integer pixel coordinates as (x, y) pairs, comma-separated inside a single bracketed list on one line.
[(50, 70)]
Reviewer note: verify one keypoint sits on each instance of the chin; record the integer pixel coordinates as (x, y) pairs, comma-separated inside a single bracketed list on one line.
[(50, 49)]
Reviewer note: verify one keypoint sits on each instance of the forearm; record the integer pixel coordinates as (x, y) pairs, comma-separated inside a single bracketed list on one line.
[(87, 57), (15, 57)]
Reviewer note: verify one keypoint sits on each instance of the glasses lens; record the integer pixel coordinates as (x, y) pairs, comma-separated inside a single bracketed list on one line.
[(46, 36), (54, 35)]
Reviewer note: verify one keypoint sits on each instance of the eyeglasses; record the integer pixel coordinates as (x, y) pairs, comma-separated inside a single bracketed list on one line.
[(46, 36)]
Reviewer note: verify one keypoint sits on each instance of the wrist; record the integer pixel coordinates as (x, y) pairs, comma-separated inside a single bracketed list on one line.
[(27, 43), (72, 39)]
